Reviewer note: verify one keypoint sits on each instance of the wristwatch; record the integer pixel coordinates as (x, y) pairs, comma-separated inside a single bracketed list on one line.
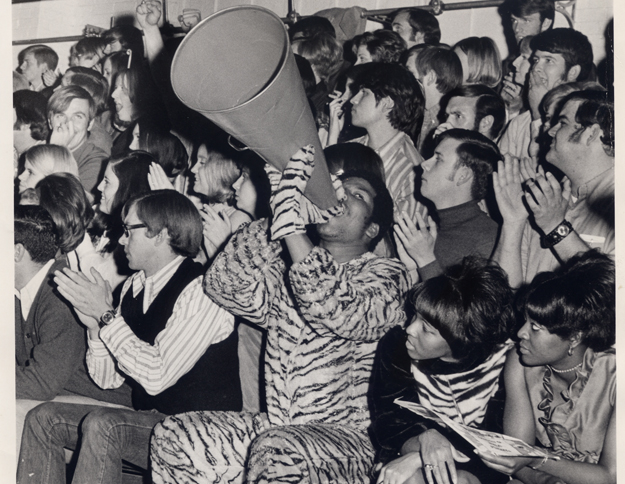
[(558, 234), (107, 317)]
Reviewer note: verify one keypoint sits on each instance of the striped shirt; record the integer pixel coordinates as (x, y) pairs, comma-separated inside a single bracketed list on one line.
[(399, 157), (463, 397), (195, 323)]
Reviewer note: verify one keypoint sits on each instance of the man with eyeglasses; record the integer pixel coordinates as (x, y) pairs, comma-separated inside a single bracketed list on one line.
[(167, 339)]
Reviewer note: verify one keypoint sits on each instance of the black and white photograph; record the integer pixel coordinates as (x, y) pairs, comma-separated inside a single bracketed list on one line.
[(311, 241)]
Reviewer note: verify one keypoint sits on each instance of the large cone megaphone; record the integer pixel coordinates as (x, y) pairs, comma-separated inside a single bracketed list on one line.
[(237, 69)]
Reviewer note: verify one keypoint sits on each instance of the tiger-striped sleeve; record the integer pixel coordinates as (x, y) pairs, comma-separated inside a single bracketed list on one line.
[(359, 300), (246, 276)]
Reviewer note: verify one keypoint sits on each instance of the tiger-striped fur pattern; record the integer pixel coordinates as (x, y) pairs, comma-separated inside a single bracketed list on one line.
[(203, 447), (323, 326)]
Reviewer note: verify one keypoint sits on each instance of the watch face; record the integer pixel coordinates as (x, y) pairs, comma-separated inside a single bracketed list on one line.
[(563, 230), (107, 317)]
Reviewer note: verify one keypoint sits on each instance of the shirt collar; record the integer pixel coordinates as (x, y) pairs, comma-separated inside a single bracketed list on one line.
[(155, 282), (588, 188), (30, 290)]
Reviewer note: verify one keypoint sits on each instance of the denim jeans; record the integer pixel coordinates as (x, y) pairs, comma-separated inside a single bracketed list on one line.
[(104, 437)]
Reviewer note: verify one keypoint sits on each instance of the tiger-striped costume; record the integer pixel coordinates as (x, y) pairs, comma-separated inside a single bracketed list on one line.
[(323, 327)]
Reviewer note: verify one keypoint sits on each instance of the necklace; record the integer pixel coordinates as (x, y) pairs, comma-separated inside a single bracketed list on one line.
[(564, 371)]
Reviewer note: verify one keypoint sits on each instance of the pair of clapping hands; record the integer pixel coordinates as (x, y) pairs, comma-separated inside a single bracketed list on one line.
[(521, 187), (217, 226), (415, 241)]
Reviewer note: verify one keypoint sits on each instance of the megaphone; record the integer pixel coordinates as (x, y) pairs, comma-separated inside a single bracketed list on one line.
[(237, 69)]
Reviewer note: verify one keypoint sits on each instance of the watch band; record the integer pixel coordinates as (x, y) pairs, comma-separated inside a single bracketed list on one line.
[(557, 235)]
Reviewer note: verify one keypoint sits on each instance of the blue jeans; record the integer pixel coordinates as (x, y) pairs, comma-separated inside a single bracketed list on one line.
[(103, 436)]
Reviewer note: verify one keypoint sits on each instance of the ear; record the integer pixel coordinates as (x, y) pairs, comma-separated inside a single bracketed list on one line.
[(90, 125), (20, 250), (25, 127), (575, 339), (485, 125), (372, 231), (546, 24), (419, 38), (573, 73), (593, 133), (387, 103), (431, 78), (464, 174), (161, 237)]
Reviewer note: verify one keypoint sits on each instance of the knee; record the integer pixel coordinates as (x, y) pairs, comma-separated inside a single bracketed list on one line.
[(276, 440), (100, 422), (42, 419)]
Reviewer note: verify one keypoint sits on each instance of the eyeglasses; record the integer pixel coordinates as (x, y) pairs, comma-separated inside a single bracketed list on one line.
[(128, 228)]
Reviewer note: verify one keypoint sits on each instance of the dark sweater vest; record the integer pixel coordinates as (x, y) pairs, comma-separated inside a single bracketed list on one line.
[(213, 383)]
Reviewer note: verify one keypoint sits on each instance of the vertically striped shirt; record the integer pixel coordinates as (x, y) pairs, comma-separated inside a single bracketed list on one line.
[(195, 323), (400, 158)]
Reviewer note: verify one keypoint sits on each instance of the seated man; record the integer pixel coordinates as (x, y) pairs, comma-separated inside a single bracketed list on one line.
[(176, 348), (438, 71), (71, 112), (416, 26), (324, 316), (559, 56), (389, 105), (37, 61), (475, 107), (569, 218), (455, 179), (49, 341)]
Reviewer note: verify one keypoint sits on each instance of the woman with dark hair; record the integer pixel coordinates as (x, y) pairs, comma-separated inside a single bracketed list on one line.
[(167, 149), (561, 387), (378, 46), (63, 196), (338, 127), (113, 64), (135, 96), (124, 178), (448, 359)]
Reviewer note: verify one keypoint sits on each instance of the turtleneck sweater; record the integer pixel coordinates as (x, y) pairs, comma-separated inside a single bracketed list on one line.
[(462, 230)]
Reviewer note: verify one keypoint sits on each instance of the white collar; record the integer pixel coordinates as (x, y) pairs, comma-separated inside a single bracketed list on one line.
[(30, 290)]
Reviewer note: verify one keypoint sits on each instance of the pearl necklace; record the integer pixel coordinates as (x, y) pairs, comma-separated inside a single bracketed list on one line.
[(564, 371)]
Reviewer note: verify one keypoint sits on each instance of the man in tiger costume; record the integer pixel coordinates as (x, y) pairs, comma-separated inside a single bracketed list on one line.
[(324, 314)]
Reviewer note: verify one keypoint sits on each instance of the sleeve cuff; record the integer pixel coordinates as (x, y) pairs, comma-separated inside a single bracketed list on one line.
[(115, 334), (430, 270)]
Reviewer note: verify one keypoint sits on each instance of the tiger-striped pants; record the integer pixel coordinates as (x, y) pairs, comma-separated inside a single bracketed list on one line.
[(229, 447)]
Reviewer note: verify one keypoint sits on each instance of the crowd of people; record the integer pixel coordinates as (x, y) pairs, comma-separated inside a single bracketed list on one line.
[(185, 312)]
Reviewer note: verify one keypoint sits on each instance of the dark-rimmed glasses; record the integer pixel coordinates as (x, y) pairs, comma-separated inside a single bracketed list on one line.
[(128, 228)]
